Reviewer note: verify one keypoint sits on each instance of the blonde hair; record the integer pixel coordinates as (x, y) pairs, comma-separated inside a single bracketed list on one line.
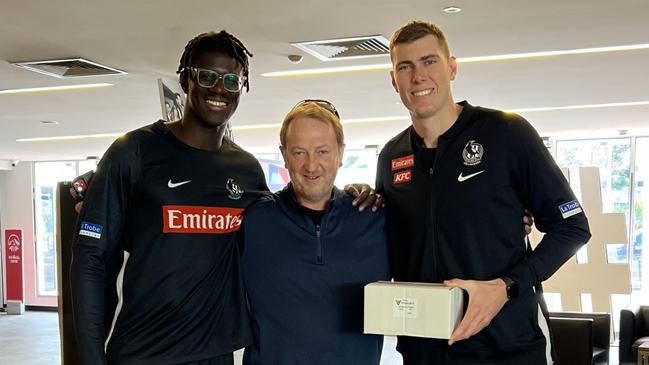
[(312, 110)]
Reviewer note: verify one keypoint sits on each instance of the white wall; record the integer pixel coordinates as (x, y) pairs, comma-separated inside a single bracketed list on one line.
[(3, 300), (17, 212)]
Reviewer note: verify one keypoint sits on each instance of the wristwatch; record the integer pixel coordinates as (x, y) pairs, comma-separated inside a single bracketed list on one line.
[(512, 287)]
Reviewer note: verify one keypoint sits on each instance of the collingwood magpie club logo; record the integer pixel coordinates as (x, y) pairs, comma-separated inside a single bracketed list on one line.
[(234, 189), (472, 153)]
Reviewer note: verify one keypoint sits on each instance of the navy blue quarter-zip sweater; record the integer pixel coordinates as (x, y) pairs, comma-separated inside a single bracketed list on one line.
[(305, 282)]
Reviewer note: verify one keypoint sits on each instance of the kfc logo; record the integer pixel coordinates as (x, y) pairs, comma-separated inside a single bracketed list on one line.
[(402, 177)]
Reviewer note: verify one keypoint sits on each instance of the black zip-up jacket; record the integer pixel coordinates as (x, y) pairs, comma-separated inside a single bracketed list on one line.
[(461, 217), (175, 209)]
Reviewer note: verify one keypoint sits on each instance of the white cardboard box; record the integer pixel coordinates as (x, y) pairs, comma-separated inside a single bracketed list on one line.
[(412, 309)]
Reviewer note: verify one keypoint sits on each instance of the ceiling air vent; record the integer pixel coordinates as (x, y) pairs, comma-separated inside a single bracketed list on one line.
[(346, 48), (69, 68)]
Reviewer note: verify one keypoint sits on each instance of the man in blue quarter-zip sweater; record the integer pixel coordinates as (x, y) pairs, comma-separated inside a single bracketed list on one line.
[(307, 253)]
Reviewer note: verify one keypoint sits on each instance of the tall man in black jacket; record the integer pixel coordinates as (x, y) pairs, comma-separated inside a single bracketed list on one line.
[(456, 183)]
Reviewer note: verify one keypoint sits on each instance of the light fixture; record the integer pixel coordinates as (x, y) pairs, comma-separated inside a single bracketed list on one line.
[(452, 9), (395, 118), (68, 138), (69, 68), (328, 70), (490, 58), (295, 58), (581, 106), (517, 56), (49, 122), (54, 88)]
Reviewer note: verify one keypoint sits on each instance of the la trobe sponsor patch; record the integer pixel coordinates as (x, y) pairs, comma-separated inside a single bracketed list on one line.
[(570, 208), (90, 229)]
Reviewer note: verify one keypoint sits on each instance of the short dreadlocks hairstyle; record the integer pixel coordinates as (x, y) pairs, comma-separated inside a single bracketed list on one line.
[(213, 42)]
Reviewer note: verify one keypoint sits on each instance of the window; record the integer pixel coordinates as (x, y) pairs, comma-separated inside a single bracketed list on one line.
[(622, 192), (638, 253), (612, 156), (46, 177), (359, 166)]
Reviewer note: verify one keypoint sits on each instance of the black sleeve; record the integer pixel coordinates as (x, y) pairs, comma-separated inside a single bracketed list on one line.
[(379, 176), (545, 191), (263, 186), (98, 246), (241, 238)]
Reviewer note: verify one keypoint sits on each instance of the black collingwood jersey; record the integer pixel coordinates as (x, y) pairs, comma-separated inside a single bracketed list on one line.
[(175, 210), (460, 215)]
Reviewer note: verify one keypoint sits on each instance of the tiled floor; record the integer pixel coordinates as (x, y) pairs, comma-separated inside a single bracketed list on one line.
[(33, 339), (30, 339)]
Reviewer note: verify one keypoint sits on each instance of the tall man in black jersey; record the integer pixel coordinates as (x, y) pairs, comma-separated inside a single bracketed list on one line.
[(171, 195), (456, 183)]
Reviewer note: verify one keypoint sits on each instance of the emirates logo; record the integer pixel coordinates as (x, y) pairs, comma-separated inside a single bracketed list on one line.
[(197, 219)]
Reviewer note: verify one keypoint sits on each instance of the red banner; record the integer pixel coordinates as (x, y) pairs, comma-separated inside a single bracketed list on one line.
[(14, 264)]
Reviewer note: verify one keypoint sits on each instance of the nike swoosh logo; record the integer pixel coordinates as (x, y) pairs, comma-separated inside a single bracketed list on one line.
[(175, 185), (461, 178)]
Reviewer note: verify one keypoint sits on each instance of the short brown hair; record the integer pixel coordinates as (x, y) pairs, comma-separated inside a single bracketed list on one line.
[(415, 30), (312, 110)]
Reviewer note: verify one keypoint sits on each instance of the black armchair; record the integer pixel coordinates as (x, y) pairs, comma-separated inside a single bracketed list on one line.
[(634, 330), (581, 338)]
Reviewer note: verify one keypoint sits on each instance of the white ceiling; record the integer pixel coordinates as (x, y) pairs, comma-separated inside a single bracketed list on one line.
[(146, 38)]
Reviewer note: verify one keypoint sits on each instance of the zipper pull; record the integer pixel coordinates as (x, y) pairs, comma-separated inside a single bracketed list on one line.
[(319, 259)]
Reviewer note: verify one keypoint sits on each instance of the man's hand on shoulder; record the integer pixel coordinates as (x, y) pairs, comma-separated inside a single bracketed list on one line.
[(365, 197), (528, 221), (486, 299), (79, 187)]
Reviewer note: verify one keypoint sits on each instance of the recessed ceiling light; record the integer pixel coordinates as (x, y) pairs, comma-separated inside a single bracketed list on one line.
[(346, 48), (49, 122), (53, 88), (69, 68), (452, 9)]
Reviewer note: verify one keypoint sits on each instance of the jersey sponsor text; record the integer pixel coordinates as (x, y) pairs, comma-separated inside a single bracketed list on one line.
[(569, 209), (90, 229), (403, 162), (402, 177), (198, 219)]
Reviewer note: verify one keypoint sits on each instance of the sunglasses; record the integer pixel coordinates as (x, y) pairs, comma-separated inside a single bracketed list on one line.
[(323, 103), (209, 78)]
